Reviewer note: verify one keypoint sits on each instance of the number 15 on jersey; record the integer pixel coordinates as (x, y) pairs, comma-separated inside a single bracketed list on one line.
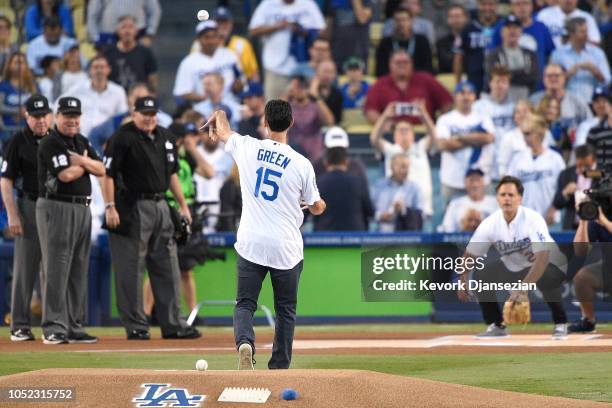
[(269, 178)]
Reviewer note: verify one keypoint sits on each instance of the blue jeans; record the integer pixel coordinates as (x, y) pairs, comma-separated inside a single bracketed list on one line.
[(285, 286)]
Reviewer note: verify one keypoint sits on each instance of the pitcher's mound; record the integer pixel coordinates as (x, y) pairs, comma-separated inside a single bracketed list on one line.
[(316, 388)]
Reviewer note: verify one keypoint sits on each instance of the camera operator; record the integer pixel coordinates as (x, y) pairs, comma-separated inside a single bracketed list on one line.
[(591, 278)]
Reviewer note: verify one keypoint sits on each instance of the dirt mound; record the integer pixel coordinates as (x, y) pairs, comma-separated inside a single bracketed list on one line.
[(316, 388)]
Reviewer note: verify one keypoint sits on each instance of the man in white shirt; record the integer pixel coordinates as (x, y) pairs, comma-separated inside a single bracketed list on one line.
[(528, 254), (404, 143), (276, 183), (476, 199), (465, 138), (212, 58), (280, 22), (497, 105), (554, 17), (101, 99), (538, 169), (50, 42), (215, 99)]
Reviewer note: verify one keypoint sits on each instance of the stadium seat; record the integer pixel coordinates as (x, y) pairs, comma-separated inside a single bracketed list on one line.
[(376, 32), (80, 30), (355, 122), (448, 81)]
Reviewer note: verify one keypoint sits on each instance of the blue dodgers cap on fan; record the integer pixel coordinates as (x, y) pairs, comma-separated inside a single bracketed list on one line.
[(254, 89), (600, 92), (222, 13), (465, 85), (474, 170)]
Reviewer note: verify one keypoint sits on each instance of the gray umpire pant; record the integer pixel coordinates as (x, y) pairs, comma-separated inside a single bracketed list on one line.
[(65, 239), (26, 265), (285, 287), (151, 245)]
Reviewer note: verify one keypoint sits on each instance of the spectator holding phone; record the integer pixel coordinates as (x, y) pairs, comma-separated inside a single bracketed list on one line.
[(404, 144)]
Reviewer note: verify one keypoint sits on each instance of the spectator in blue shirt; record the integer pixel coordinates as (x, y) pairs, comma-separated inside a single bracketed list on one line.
[(535, 37), (17, 86), (36, 14), (470, 54), (398, 201), (356, 89), (585, 64)]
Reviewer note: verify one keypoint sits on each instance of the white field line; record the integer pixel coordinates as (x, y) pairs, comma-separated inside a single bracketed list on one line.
[(160, 350)]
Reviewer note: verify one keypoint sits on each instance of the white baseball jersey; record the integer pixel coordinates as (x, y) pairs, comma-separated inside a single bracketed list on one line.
[(502, 115), (539, 177), (513, 142), (274, 179), (275, 54), (554, 18), (459, 206), (454, 165), (517, 241), (194, 67)]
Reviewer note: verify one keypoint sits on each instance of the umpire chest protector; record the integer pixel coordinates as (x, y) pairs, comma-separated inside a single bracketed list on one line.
[(143, 163)]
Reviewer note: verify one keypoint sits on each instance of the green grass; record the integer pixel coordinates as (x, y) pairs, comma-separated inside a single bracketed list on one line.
[(582, 375)]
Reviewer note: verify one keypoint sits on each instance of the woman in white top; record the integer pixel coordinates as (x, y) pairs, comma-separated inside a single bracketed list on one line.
[(404, 143)]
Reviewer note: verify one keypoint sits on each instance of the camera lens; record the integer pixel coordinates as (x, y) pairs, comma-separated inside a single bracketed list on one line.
[(588, 211)]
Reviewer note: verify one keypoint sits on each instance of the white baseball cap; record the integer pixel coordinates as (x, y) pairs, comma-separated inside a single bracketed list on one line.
[(336, 137), (205, 26)]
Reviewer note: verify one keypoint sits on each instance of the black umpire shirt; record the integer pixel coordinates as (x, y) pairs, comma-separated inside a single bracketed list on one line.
[(53, 157), (20, 162), (143, 164), (600, 138)]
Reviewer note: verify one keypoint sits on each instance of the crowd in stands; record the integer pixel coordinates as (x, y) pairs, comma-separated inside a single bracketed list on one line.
[(489, 87)]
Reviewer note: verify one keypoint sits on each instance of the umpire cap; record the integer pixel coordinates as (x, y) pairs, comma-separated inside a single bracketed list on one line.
[(37, 105), (146, 104), (69, 105)]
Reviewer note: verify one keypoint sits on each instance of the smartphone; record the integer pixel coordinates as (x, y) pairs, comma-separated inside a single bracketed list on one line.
[(406, 109)]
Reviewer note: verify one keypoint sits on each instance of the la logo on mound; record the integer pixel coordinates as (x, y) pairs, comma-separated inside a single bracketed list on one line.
[(163, 395)]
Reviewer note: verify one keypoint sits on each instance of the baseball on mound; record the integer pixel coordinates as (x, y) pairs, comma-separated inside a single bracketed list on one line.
[(203, 15), (201, 365)]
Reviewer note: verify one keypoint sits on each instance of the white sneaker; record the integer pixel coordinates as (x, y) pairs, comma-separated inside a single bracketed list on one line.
[(560, 332), (245, 357), (493, 330)]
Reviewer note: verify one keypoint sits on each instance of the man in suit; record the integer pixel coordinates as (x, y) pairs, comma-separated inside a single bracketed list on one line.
[(572, 180)]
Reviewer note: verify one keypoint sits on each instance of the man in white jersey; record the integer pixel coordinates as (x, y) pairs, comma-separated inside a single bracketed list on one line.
[(527, 254), (499, 107), (465, 138), (538, 168), (275, 181), (554, 17)]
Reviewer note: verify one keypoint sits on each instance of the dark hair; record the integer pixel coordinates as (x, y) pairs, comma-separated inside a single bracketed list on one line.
[(47, 61), (335, 156), (403, 10), (460, 7), (97, 57), (278, 114), (126, 17), (511, 180), (583, 151)]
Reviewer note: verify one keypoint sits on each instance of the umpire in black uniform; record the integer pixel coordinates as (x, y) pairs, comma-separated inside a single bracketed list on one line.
[(63, 217), (19, 172), (141, 164)]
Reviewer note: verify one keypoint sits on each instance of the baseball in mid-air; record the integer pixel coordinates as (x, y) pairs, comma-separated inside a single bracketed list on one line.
[(201, 365), (203, 15)]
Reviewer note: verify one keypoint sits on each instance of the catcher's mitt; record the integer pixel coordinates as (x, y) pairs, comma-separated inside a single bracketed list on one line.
[(517, 312)]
